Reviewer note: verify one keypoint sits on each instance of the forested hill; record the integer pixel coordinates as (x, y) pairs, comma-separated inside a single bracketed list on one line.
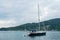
[(53, 24)]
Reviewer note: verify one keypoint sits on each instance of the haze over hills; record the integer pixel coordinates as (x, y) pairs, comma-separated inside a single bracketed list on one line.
[(53, 24)]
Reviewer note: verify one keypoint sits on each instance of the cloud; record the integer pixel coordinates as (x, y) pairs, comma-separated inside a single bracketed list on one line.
[(7, 23), (17, 12), (44, 13)]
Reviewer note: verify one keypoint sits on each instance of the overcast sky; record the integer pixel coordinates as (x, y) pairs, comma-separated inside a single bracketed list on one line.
[(17, 12)]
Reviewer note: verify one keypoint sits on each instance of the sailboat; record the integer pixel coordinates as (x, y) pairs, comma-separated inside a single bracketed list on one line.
[(37, 33)]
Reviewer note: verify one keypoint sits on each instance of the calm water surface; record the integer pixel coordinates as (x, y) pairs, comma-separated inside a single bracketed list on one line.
[(21, 35)]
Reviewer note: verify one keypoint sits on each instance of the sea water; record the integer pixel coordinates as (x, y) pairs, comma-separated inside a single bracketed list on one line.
[(23, 35)]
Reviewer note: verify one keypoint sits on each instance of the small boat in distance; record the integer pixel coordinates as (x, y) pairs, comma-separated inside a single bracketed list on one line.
[(37, 33)]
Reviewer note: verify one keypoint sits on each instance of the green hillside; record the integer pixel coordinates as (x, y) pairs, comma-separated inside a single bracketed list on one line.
[(53, 24)]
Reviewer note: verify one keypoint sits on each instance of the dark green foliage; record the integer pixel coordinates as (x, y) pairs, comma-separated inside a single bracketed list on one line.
[(53, 24)]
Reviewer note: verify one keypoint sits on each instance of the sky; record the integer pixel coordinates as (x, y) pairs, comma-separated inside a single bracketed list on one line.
[(18, 12)]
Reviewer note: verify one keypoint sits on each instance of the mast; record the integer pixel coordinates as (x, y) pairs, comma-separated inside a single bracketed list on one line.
[(38, 17)]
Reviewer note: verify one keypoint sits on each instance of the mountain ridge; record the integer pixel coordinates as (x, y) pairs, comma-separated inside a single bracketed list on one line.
[(52, 24)]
